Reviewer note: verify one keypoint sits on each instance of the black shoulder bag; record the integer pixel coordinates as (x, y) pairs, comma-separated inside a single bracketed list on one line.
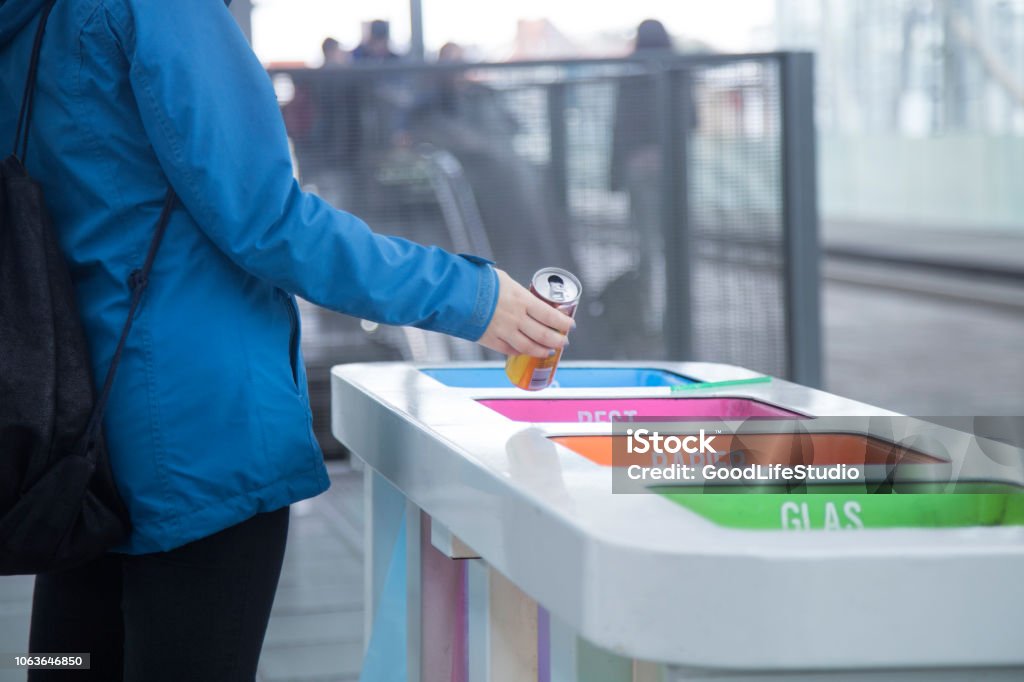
[(59, 506)]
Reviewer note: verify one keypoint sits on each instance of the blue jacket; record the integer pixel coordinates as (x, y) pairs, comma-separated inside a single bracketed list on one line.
[(209, 419)]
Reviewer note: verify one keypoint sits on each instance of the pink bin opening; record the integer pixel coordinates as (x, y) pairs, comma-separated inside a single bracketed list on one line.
[(632, 409)]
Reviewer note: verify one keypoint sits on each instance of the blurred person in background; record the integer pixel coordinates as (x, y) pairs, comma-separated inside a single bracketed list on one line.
[(636, 137), (432, 92), (208, 425), (636, 167), (334, 56), (439, 91), (376, 46), (450, 53)]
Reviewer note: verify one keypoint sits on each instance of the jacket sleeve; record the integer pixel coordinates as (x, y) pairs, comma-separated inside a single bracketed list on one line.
[(211, 115)]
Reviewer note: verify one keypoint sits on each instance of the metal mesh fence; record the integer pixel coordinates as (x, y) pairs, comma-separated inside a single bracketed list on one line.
[(736, 217), (660, 184)]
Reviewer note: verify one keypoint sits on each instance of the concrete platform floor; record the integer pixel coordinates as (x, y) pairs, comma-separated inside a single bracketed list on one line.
[(923, 345)]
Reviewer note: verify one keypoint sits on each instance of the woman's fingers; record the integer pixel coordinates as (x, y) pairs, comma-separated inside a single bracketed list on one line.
[(541, 334), (548, 316), (524, 345), (522, 323), (502, 347)]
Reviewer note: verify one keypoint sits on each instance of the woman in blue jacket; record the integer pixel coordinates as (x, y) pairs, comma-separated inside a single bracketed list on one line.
[(208, 425)]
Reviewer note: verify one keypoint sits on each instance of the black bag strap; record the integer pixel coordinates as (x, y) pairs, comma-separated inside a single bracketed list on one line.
[(28, 97), (139, 278)]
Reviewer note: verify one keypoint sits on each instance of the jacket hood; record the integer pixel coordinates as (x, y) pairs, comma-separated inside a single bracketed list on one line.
[(14, 14)]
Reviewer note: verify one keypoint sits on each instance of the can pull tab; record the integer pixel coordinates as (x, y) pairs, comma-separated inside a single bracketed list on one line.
[(556, 288)]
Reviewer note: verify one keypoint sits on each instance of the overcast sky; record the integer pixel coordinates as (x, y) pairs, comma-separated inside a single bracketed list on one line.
[(292, 30)]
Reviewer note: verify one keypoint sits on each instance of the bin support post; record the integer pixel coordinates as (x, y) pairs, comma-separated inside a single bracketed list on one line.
[(414, 590), (384, 510), (443, 611), (503, 628)]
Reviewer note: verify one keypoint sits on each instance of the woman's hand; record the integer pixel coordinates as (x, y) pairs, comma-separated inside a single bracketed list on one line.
[(523, 323)]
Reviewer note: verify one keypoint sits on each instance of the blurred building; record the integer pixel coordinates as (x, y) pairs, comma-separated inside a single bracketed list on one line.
[(541, 39), (920, 108)]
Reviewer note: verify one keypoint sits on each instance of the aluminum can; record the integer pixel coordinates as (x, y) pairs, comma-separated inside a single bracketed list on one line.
[(560, 289)]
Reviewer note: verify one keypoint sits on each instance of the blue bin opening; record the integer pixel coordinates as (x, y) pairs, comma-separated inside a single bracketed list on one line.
[(566, 377)]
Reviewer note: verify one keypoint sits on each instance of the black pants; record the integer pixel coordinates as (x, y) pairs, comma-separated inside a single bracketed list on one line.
[(198, 612)]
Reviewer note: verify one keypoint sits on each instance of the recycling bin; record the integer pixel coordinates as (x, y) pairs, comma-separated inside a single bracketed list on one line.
[(498, 548)]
